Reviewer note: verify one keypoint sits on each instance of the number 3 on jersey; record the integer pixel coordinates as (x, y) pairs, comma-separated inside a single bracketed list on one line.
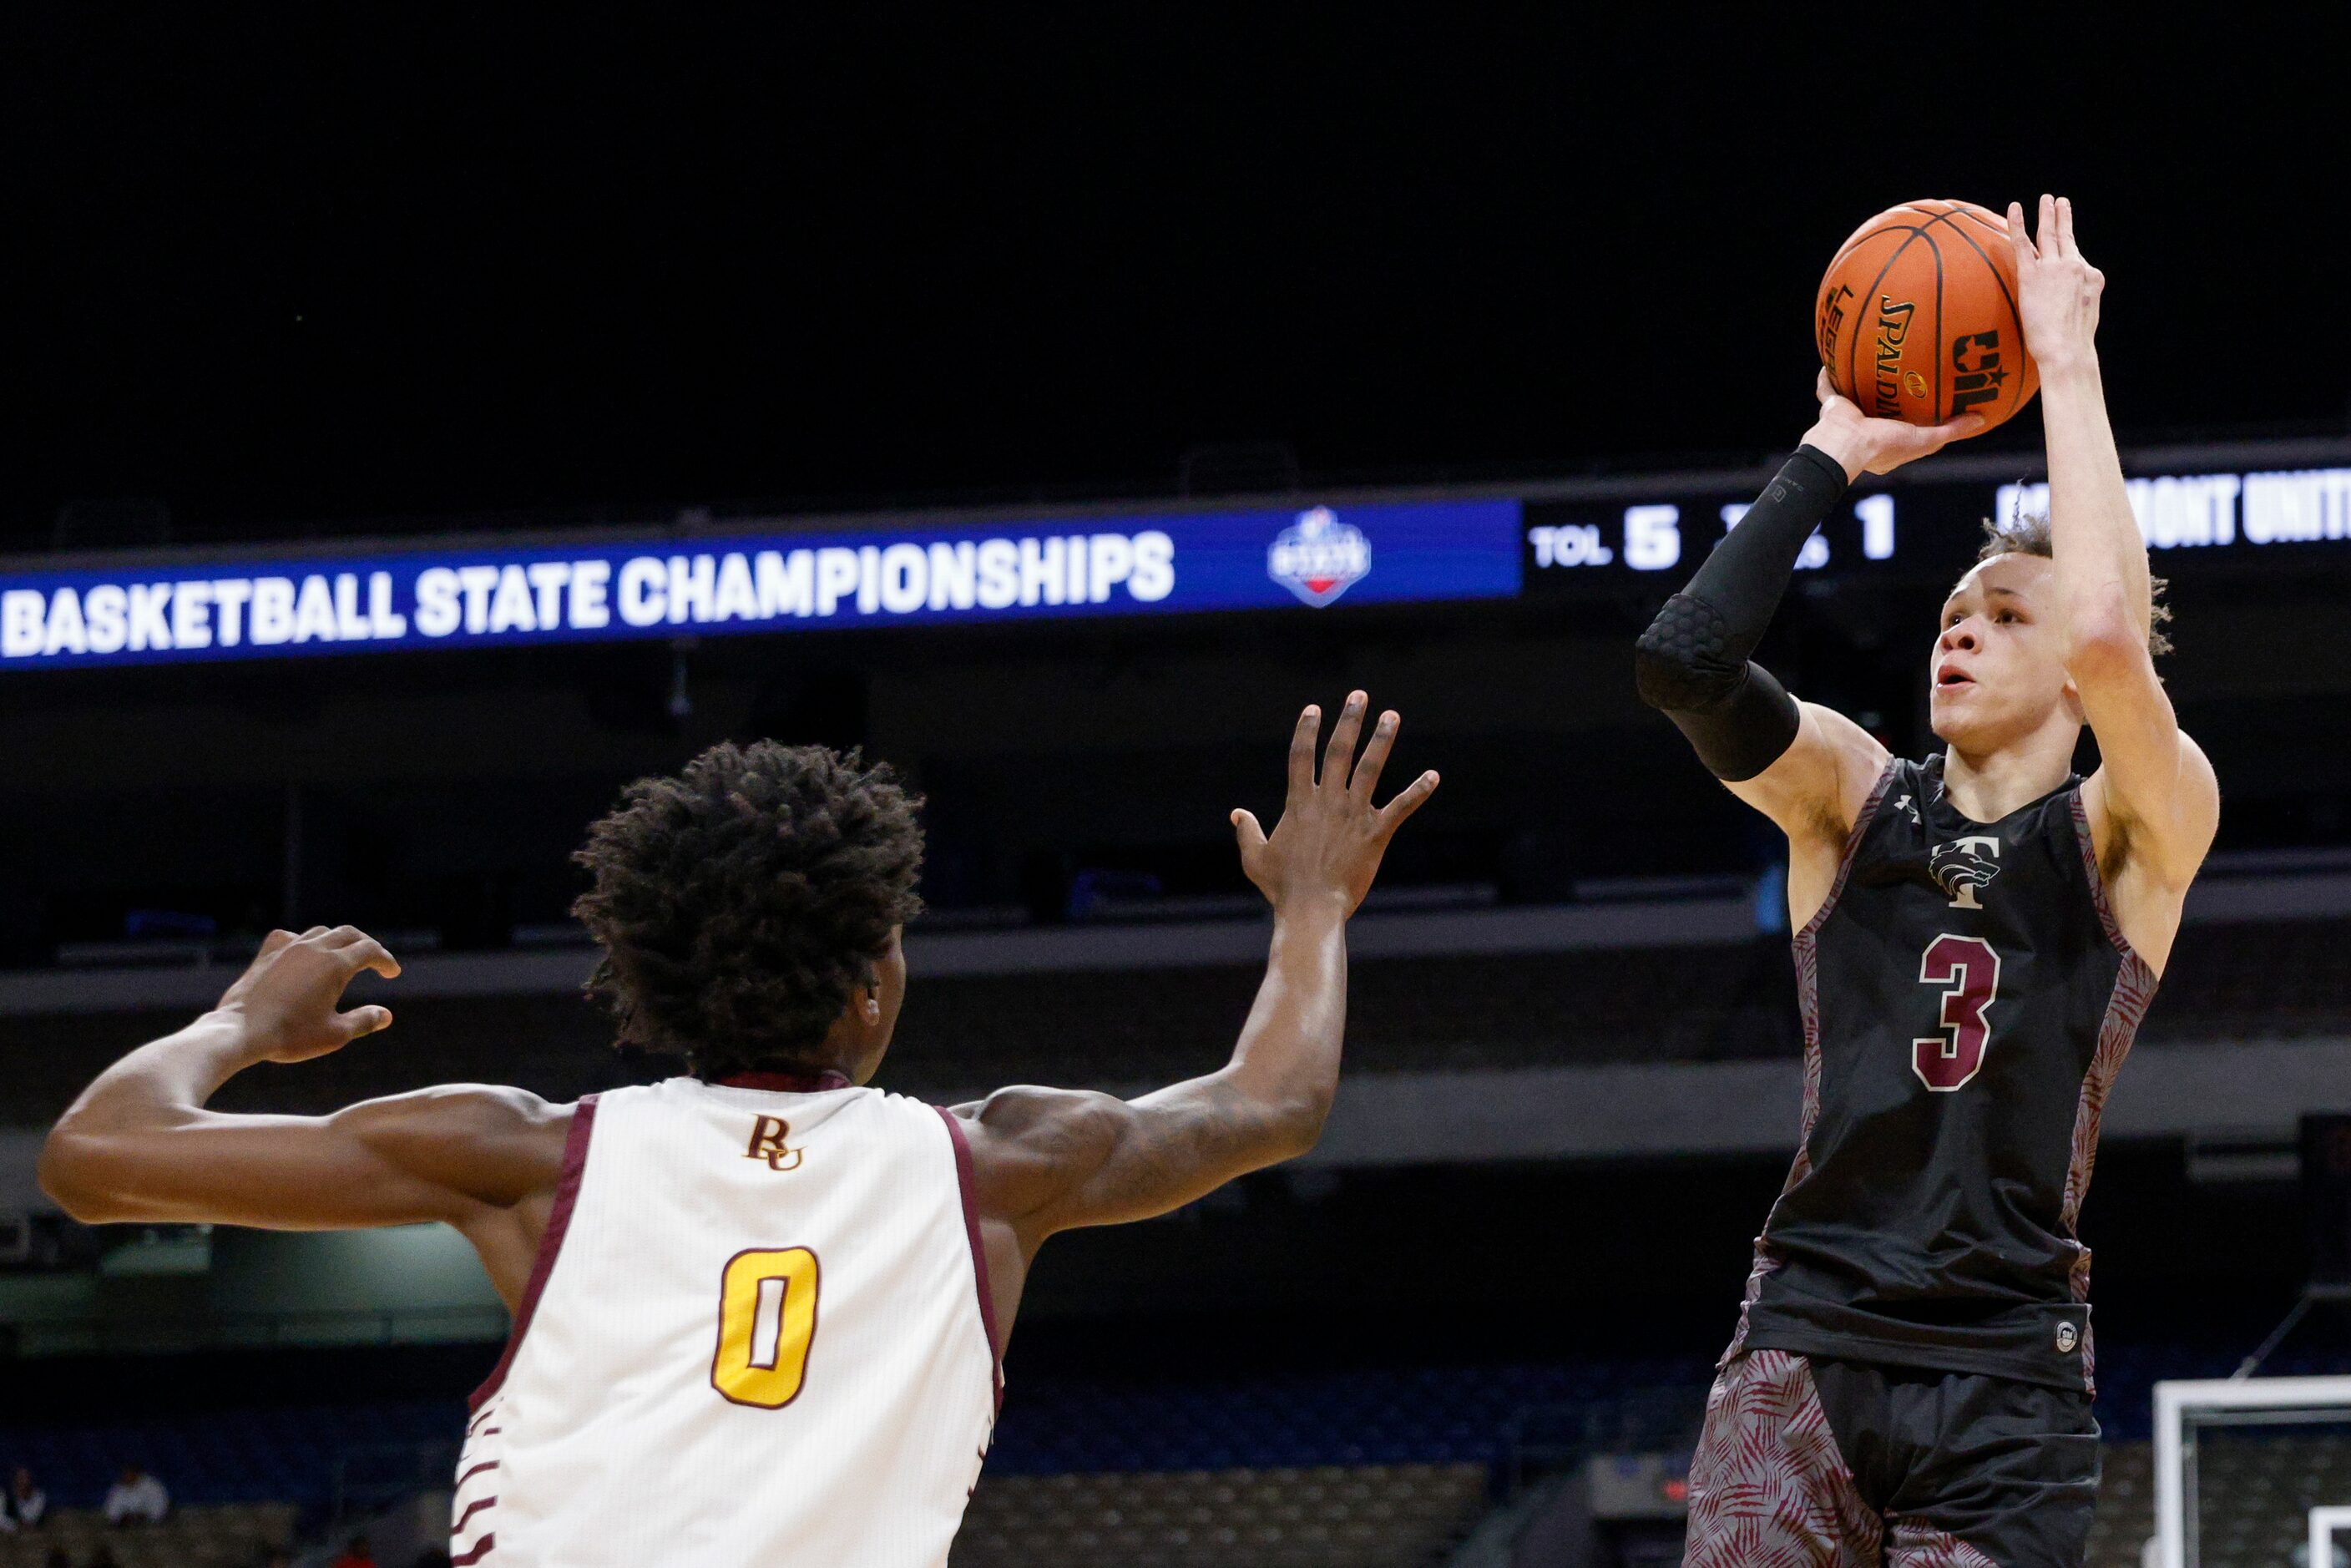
[(1968, 969), (767, 1316)]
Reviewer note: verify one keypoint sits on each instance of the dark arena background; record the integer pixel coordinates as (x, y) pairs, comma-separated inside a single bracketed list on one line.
[(422, 423)]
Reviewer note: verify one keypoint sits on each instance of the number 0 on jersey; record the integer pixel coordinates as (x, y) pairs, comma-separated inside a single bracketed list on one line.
[(766, 1317)]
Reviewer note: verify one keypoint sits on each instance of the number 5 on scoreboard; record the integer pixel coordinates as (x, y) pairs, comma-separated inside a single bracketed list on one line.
[(766, 1317)]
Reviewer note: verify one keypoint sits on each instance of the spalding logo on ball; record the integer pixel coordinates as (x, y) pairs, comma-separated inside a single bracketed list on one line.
[(1917, 317)]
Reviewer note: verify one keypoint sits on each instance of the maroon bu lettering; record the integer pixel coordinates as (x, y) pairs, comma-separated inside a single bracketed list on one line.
[(768, 1135)]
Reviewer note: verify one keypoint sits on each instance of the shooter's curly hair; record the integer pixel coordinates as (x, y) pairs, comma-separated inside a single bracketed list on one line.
[(742, 903), (2028, 535)]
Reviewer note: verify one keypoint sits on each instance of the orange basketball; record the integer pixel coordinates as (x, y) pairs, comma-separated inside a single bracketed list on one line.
[(1917, 316)]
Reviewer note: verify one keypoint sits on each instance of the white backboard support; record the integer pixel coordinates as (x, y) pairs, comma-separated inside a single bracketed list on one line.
[(2180, 1406)]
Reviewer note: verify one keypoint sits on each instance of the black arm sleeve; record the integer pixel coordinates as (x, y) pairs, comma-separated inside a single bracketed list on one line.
[(1693, 661)]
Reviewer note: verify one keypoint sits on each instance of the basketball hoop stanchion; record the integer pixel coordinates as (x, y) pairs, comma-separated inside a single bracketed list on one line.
[(2249, 1401)]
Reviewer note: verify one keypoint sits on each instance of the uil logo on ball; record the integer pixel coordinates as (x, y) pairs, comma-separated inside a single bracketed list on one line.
[(1975, 372), (1319, 557)]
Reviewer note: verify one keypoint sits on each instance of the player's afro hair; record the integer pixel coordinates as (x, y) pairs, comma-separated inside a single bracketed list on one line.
[(740, 904), (2028, 535)]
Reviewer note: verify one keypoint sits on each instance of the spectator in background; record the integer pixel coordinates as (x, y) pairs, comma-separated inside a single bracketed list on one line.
[(25, 1503), (356, 1554), (137, 1498)]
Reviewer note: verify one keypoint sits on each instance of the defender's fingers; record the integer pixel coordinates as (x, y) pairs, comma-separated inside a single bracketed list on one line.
[(1410, 799), (364, 1021), (2065, 227), (1340, 752), (1248, 834), (2044, 231), (1376, 756), (367, 953), (1301, 751)]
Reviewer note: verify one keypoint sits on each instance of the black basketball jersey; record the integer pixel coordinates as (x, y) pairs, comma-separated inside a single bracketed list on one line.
[(1967, 1000)]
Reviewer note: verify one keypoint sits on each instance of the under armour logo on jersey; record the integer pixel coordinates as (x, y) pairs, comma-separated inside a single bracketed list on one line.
[(1964, 866), (768, 1135), (1909, 805)]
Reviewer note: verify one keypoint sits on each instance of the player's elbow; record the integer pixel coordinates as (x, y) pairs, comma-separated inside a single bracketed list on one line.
[(73, 1170), (2106, 648), (1294, 1126), (1679, 663)]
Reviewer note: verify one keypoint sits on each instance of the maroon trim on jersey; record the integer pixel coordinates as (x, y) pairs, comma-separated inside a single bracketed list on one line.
[(2134, 990), (978, 1249), (551, 1242), (1806, 944), (787, 1082), (481, 1550)]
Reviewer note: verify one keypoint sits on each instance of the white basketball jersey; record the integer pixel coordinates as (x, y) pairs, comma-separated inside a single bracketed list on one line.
[(757, 1332)]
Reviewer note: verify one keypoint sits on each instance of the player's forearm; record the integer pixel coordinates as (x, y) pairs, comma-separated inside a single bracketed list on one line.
[(1693, 664), (1287, 1059), (2103, 582), (160, 1085)]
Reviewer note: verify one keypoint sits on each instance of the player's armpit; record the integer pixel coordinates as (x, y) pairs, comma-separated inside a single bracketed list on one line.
[(445, 1154), (1047, 1160), (1817, 788)]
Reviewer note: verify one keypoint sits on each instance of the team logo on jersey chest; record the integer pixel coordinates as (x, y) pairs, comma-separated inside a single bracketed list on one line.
[(768, 1135), (1964, 866)]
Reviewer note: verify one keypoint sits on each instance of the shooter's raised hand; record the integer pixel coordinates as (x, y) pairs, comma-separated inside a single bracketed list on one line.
[(1866, 446), (288, 999), (2057, 289), (1331, 837)]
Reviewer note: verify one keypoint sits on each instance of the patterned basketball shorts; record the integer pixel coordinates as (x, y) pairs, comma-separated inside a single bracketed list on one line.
[(1812, 1463)]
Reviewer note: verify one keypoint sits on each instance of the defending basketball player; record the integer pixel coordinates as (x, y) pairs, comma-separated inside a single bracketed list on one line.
[(1977, 937), (760, 1309)]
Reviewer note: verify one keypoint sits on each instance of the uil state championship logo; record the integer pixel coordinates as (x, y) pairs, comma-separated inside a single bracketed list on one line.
[(1319, 557)]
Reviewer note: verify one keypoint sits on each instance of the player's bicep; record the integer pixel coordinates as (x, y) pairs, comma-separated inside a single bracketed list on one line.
[(438, 1155), (1818, 785)]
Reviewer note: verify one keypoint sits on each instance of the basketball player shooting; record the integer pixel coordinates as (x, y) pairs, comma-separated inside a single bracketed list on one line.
[(1977, 937), (760, 1309)]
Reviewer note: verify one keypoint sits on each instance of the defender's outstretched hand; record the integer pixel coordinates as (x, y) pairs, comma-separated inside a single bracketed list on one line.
[(2057, 289), (1331, 837), (286, 999), (1866, 446)]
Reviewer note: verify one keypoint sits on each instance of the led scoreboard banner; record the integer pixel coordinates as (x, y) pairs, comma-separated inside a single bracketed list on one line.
[(2252, 520), (761, 582), (1564, 539)]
